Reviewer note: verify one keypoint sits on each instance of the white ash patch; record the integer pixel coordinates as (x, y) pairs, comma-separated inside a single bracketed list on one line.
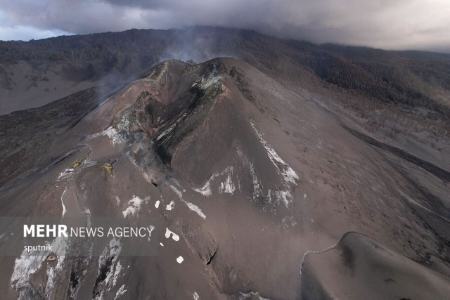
[(117, 200), (206, 82), (59, 246), (251, 295), (24, 267), (117, 271), (279, 196), (124, 123), (170, 206), (195, 209), (87, 163), (172, 234), (228, 186), (269, 195), (109, 262), (134, 206), (111, 133), (176, 190), (180, 259), (257, 186), (284, 196), (113, 276), (30, 262), (205, 190), (169, 130), (49, 287), (64, 210), (190, 205), (87, 212), (160, 74), (120, 292), (69, 172), (166, 132), (157, 203), (288, 221), (289, 175), (65, 174), (113, 250)]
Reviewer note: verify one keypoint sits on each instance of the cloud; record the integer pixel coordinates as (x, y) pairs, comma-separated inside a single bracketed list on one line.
[(389, 24), (27, 33), (11, 31)]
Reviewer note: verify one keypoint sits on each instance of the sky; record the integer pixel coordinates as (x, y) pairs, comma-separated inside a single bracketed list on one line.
[(388, 24)]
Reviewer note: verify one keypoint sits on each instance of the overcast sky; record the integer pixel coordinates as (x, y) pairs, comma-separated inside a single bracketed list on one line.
[(391, 24)]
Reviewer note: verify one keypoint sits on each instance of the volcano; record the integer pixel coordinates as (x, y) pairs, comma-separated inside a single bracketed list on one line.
[(289, 171)]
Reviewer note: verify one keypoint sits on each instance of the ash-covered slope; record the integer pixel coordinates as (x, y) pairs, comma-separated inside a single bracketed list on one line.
[(366, 266), (238, 176)]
